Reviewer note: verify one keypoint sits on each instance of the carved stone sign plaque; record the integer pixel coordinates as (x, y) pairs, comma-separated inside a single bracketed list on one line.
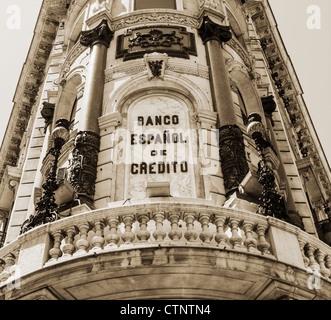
[(159, 146)]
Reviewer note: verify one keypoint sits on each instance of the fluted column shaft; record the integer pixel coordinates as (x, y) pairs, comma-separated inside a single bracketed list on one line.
[(232, 149)]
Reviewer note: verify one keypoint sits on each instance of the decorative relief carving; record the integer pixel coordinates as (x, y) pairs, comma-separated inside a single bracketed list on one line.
[(177, 18), (83, 167), (137, 67), (232, 154), (156, 64), (175, 41)]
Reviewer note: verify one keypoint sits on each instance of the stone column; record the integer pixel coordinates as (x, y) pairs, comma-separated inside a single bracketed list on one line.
[(86, 148), (232, 149)]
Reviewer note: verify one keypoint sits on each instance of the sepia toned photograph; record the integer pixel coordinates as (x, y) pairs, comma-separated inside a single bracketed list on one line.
[(165, 154)]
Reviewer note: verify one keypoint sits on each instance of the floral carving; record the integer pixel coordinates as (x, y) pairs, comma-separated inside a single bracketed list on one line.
[(155, 38)]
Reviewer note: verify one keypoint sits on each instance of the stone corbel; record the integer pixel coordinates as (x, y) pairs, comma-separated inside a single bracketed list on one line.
[(110, 121), (207, 119), (236, 66), (156, 64)]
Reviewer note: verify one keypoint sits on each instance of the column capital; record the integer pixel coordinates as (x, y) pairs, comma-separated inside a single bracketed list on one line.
[(47, 112), (100, 34), (269, 106), (210, 30)]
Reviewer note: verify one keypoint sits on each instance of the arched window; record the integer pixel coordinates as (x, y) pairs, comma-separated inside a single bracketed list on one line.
[(151, 4), (235, 28)]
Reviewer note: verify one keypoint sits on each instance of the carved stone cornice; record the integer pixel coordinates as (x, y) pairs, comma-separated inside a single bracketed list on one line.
[(31, 78), (100, 34), (304, 140), (210, 30)]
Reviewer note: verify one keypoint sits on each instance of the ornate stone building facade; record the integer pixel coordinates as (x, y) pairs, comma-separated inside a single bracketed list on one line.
[(162, 149)]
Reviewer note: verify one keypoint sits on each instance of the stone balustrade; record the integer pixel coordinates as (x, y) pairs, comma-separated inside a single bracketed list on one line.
[(131, 227)]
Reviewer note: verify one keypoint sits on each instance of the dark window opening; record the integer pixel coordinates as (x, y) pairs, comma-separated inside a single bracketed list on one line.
[(72, 115), (152, 4), (243, 108)]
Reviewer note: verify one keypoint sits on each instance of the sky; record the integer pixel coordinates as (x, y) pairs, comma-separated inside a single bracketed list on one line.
[(309, 50)]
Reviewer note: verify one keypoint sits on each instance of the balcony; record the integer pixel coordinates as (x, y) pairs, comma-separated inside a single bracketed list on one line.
[(166, 249)]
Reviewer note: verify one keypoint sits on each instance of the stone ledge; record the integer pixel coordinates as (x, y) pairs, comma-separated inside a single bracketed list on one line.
[(181, 272)]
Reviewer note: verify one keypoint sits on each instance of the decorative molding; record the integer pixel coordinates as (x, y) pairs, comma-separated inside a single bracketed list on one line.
[(111, 120), (134, 67), (134, 18)]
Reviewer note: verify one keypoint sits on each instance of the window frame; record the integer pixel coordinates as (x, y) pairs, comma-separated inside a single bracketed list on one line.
[(178, 6)]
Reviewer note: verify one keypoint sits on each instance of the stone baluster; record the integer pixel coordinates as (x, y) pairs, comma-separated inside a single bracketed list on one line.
[(98, 240), (9, 262), (206, 236), (320, 256), (143, 234), (159, 234), (82, 244), (56, 252), (304, 257), (328, 262), (112, 237), (221, 237), (235, 239), (311, 256), (2, 265), (128, 236), (250, 243), (263, 244), (68, 248), (175, 234), (190, 234)]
